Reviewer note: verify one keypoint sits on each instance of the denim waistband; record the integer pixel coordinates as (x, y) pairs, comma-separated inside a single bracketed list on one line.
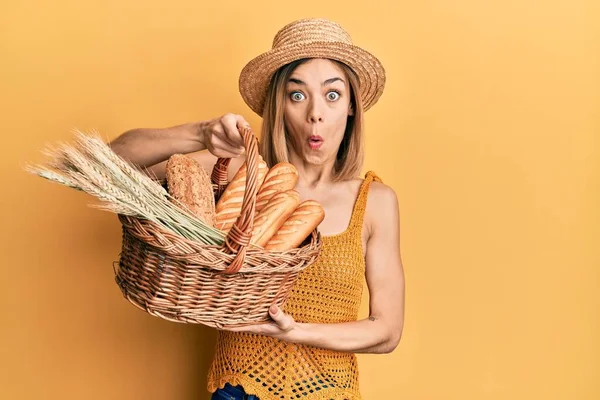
[(230, 392)]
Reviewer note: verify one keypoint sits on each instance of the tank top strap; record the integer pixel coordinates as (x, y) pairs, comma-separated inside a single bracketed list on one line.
[(358, 214)]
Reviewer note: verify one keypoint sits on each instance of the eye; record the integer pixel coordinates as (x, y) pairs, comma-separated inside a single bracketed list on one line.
[(297, 96), (333, 95)]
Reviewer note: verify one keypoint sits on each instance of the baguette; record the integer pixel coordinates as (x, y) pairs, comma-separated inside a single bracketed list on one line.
[(189, 184), (273, 215), (307, 216), (229, 206), (283, 176)]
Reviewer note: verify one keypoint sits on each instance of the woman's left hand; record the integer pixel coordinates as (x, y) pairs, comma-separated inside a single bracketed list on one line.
[(283, 326)]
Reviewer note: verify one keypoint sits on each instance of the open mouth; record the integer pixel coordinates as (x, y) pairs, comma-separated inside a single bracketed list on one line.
[(315, 142)]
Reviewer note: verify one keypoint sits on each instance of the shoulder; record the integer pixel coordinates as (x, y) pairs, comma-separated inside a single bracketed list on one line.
[(382, 207), (348, 188), (382, 196)]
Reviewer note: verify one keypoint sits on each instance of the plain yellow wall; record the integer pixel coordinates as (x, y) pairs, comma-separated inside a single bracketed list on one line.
[(488, 130)]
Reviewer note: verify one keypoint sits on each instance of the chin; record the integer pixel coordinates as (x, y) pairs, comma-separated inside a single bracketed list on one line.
[(315, 159)]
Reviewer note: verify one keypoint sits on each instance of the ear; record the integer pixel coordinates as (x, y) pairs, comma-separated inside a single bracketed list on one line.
[(350, 109)]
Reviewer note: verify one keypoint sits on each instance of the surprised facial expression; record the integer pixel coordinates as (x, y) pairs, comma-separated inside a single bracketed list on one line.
[(317, 107)]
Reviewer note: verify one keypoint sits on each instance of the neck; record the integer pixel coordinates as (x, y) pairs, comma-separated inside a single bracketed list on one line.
[(313, 176)]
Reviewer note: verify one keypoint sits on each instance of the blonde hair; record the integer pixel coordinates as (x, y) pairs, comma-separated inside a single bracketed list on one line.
[(273, 144)]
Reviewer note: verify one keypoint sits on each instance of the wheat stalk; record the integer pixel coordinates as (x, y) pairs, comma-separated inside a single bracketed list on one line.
[(134, 180), (91, 166)]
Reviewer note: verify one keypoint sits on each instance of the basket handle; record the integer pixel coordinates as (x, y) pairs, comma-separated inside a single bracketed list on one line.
[(238, 238)]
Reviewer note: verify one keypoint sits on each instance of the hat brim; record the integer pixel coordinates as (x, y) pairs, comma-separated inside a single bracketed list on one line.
[(256, 75)]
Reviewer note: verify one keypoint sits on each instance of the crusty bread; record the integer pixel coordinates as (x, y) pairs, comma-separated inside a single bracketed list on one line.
[(281, 177), (305, 218), (190, 185), (273, 215), (229, 205)]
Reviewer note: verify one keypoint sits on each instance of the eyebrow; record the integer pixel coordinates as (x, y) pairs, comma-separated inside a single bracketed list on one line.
[(327, 82)]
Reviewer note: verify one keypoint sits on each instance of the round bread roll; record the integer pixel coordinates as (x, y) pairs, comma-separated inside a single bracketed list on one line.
[(190, 184)]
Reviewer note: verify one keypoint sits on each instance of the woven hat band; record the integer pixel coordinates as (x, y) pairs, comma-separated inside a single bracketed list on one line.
[(309, 31)]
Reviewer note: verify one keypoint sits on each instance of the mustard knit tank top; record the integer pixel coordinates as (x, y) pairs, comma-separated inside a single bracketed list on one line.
[(329, 291)]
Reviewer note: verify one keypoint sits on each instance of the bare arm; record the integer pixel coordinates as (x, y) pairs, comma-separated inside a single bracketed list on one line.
[(149, 149), (381, 332), (146, 146)]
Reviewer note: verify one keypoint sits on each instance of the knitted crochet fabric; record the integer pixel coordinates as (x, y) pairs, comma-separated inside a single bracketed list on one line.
[(329, 291)]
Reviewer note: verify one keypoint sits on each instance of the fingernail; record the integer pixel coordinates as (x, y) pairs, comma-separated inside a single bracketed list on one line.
[(273, 309)]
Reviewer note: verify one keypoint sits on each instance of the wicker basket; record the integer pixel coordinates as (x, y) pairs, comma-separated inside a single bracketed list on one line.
[(232, 285)]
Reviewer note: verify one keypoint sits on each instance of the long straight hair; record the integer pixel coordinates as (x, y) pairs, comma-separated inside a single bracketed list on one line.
[(273, 144)]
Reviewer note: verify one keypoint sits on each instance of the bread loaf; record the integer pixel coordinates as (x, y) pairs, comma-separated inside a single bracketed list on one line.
[(229, 205), (273, 215), (281, 177), (190, 185), (305, 218)]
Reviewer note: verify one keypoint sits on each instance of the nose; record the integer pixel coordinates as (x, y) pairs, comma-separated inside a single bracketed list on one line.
[(315, 111)]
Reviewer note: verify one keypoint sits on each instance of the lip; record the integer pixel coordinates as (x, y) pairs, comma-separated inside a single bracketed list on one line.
[(315, 142)]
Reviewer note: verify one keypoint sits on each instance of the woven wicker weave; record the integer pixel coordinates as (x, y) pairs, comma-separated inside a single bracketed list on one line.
[(181, 280)]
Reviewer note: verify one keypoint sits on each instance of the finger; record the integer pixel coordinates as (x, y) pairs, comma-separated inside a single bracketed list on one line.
[(226, 151), (241, 122), (249, 329), (232, 134), (284, 321), (215, 131), (220, 148), (261, 329), (215, 147)]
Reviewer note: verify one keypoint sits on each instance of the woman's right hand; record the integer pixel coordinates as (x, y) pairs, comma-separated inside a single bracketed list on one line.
[(222, 137)]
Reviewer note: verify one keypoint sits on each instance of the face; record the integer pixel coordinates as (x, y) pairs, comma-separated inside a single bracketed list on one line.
[(316, 110)]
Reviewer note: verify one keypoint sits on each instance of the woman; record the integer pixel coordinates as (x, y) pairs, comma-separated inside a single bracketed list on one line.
[(311, 90)]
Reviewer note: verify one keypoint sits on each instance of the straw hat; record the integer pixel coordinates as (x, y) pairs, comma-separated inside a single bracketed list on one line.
[(311, 38)]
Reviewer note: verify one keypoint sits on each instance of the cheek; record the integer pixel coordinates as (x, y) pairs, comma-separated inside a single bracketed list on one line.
[(289, 121), (291, 115), (293, 123), (340, 119)]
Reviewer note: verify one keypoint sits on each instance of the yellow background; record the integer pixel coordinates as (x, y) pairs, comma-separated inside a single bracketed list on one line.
[(488, 130)]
